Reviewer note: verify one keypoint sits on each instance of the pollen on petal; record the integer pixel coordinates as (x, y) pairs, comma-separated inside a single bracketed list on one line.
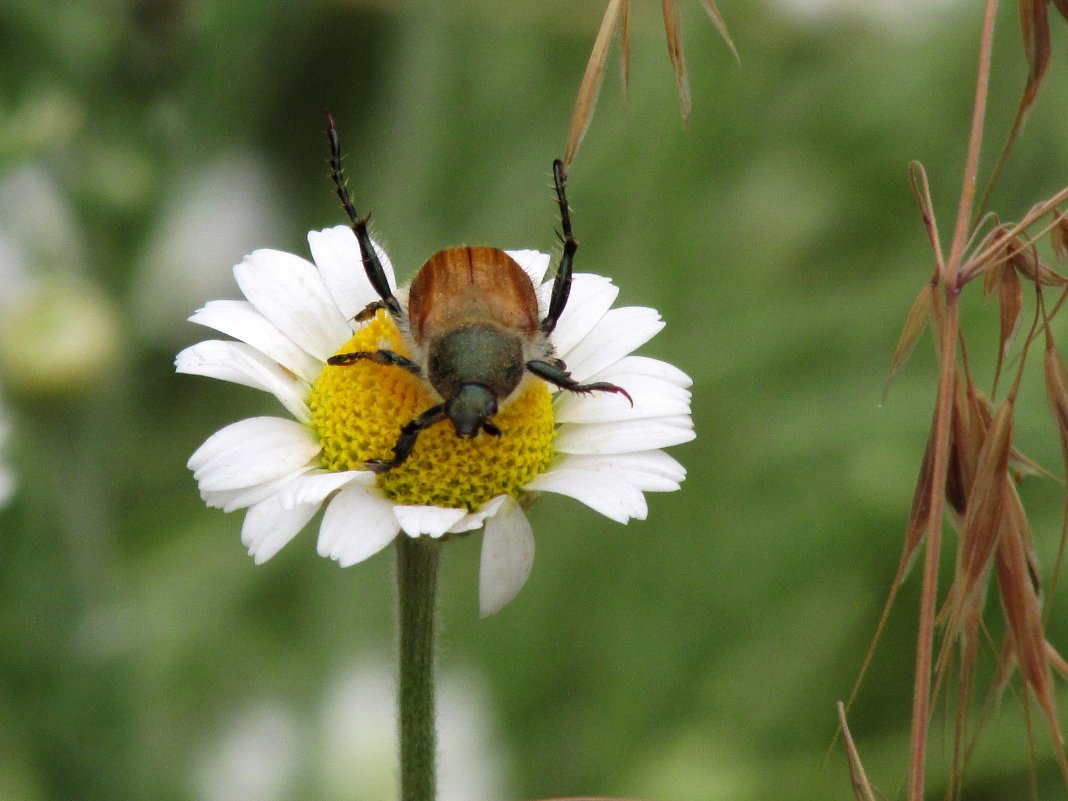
[(359, 409)]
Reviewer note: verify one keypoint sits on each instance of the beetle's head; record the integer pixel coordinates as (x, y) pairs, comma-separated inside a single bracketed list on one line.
[(470, 408)]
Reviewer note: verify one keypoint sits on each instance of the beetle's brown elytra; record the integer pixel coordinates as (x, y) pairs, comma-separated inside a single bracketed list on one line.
[(477, 284), (471, 323)]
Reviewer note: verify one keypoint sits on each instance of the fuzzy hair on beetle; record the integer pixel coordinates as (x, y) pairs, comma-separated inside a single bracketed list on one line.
[(470, 320)]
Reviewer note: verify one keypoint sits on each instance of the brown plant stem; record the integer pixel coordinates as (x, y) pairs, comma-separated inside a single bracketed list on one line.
[(921, 695)]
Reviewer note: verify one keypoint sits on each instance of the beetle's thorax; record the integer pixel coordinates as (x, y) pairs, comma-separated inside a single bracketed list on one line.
[(479, 353)]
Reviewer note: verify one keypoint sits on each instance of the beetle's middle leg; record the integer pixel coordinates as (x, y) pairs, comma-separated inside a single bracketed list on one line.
[(387, 357)]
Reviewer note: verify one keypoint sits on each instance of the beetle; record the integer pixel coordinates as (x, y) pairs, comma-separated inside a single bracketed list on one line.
[(471, 323)]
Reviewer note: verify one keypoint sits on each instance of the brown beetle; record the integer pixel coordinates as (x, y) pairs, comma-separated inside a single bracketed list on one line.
[(471, 324)]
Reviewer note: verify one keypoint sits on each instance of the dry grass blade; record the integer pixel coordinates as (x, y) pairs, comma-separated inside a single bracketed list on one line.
[(673, 29), (915, 322), (862, 789), (721, 26), (590, 87), (624, 37)]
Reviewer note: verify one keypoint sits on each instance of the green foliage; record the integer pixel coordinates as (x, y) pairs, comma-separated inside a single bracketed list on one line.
[(693, 656)]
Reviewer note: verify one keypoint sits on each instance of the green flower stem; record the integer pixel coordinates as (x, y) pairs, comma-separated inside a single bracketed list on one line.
[(417, 574)]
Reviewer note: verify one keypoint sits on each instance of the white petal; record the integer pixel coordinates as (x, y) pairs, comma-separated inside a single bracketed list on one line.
[(475, 519), (337, 255), (649, 471), (268, 527), (590, 299), (652, 398), (251, 452), (358, 523), (649, 367), (507, 558), (240, 320), (604, 492), (533, 262), (627, 436), (618, 333), (431, 520), (315, 487), (243, 364), (229, 500), (289, 292)]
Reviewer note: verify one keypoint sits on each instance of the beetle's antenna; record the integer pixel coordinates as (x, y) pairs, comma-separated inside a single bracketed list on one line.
[(371, 265), (562, 284), (337, 172)]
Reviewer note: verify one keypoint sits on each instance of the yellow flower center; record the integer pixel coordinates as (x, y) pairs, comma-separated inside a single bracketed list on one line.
[(359, 409)]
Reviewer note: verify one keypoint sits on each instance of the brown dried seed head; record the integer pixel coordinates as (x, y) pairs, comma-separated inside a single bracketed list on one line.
[(673, 29), (983, 516), (590, 87), (1021, 606), (721, 26), (1024, 258), (915, 322), (992, 278), (1034, 25), (1057, 395), (1010, 305), (1059, 233)]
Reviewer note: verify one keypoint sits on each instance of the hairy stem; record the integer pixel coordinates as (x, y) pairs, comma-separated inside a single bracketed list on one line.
[(417, 571)]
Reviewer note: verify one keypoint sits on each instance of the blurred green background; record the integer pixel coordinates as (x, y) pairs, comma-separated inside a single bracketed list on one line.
[(146, 145)]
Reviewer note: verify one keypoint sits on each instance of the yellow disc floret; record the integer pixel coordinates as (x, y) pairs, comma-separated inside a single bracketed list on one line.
[(359, 409)]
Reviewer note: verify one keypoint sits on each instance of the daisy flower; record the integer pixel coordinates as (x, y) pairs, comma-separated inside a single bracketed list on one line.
[(596, 448)]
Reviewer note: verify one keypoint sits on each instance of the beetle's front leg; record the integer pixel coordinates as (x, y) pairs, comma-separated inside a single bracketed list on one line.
[(406, 441), (556, 374), (371, 264)]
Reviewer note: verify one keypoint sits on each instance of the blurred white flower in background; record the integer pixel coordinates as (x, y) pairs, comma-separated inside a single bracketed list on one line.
[(348, 752), (255, 759), (903, 17), (59, 331), (211, 218), (39, 234), (7, 476)]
